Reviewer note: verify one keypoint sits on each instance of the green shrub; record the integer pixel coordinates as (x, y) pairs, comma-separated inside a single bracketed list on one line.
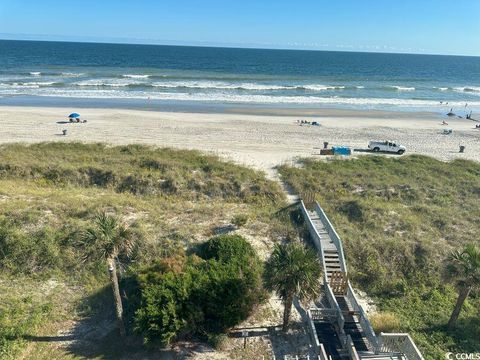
[(240, 220), (200, 295), (227, 249)]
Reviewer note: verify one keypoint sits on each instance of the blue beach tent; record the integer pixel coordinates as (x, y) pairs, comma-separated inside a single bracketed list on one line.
[(74, 116)]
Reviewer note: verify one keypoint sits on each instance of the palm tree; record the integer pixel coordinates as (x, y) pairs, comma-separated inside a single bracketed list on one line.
[(465, 268), (108, 239), (292, 270)]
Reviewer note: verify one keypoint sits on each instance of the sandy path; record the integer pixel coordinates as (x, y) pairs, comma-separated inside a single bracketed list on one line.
[(262, 141)]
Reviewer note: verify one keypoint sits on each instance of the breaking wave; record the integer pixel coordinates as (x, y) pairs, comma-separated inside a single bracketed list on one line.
[(135, 76), (402, 88)]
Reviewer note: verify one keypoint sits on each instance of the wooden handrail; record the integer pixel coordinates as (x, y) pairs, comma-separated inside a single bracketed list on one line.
[(385, 343), (399, 343), (333, 235)]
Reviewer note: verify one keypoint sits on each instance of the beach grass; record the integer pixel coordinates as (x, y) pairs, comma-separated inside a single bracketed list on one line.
[(399, 218), (51, 192)]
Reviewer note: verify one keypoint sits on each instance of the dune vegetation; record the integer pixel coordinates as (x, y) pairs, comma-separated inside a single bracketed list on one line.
[(51, 193), (399, 219)]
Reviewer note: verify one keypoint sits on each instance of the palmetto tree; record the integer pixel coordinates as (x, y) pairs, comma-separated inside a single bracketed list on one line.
[(464, 267), (108, 239), (292, 270)]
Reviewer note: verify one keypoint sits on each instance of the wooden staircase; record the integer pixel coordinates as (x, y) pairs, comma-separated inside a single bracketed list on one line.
[(352, 325), (332, 262), (348, 320)]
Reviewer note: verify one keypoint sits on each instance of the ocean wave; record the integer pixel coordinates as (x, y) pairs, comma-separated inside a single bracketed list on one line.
[(35, 73), (402, 88), (470, 89), (321, 87), (70, 74), (39, 83), (107, 82), (27, 85), (135, 76), (17, 86), (242, 86), (442, 88), (219, 85), (242, 98)]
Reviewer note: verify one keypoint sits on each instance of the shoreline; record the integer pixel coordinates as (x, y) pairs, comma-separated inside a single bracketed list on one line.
[(260, 140), (287, 109)]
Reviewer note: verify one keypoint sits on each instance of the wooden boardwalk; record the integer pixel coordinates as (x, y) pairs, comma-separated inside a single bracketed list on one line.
[(342, 330)]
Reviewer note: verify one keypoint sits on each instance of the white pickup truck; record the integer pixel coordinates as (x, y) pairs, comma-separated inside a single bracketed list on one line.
[(386, 146)]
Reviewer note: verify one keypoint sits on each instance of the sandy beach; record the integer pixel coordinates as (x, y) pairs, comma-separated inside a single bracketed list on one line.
[(254, 138)]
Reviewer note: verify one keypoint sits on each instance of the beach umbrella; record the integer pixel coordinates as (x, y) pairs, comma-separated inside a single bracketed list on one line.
[(74, 115)]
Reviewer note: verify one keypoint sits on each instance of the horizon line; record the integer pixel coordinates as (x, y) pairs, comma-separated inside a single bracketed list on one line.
[(206, 44)]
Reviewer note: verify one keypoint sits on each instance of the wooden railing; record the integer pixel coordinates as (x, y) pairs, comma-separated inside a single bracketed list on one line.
[(319, 348), (313, 234), (333, 302), (322, 314), (391, 344), (400, 344), (364, 323), (313, 331), (333, 235), (352, 352), (322, 355)]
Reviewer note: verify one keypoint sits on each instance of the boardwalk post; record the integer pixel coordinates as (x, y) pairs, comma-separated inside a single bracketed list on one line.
[(244, 334)]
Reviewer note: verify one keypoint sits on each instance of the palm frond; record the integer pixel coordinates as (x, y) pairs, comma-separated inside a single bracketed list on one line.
[(465, 265), (108, 238), (293, 269)]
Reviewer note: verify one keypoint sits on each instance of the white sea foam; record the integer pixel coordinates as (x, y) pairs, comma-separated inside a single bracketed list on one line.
[(442, 88), (402, 88), (218, 85), (19, 86), (321, 87), (242, 86), (469, 89), (35, 73), (239, 98), (26, 85), (136, 76), (108, 82), (39, 83), (70, 74)]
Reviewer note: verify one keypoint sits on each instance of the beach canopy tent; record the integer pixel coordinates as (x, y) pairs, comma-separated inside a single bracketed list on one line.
[(74, 116)]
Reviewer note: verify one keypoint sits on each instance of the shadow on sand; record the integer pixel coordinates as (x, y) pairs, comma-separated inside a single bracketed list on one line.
[(295, 342), (95, 334)]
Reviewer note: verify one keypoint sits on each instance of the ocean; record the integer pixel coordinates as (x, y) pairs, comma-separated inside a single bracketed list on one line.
[(33, 72)]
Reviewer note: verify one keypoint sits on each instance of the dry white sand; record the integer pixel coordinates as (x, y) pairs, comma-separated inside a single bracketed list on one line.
[(255, 139)]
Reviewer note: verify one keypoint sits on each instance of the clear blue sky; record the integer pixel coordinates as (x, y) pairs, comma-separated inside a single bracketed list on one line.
[(417, 26)]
